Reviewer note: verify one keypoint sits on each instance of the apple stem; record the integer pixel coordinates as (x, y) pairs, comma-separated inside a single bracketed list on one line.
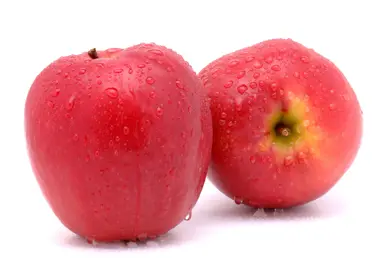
[(93, 53)]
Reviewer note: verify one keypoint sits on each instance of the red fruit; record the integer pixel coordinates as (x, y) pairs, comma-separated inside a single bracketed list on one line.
[(119, 140), (286, 124)]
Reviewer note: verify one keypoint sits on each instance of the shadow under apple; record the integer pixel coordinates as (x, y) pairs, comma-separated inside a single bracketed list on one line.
[(210, 215), (219, 209), (71, 240)]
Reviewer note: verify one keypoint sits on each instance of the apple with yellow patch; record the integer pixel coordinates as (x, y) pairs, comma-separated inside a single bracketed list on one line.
[(287, 124)]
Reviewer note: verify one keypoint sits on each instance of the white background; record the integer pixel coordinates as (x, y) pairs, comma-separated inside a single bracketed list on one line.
[(337, 234)]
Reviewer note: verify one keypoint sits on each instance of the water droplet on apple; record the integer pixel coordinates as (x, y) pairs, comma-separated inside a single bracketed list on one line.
[(256, 75), (97, 153), (150, 80), (223, 115), (257, 64), (142, 237), (141, 66), (238, 200), (268, 59), (111, 92), (159, 111), (172, 171), (296, 74), (288, 161), (221, 122), (75, 137), (274, 87), (261, 83), (71, 103), (331, 91), (233, 63), (301, 157), (275, 68), (253, 85), (118, 70), (240, 74), (252, 159), (242, 88), (249, 59), (228, 84), (346, 97), (92, 242), (179, 84), (55, 92), (156, 52), (332, 106), (110, 143), (82, 71), (304, 59), (239, 105), (50, 104), (225, 147), (188, 217), (126, 130), (152, 237), (113, 50), (183, 134), (100, 65)]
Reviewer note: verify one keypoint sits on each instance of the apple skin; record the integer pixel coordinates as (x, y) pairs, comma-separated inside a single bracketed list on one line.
[(254, 89), (120, 143)]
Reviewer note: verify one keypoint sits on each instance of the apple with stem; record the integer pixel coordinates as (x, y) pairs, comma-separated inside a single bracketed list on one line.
[(119, 140)]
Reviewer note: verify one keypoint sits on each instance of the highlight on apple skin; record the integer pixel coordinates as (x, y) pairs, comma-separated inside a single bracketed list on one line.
[(287, 124)]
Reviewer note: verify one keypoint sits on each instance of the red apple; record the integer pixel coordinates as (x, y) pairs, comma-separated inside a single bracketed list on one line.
[(286, 124), (119, 140)]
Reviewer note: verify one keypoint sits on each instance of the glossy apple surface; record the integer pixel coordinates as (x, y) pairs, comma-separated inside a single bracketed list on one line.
[(119, 140)]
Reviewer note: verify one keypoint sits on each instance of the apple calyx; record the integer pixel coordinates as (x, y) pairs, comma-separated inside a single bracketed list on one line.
[(285, 129), (93, 53), (282, 130)]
